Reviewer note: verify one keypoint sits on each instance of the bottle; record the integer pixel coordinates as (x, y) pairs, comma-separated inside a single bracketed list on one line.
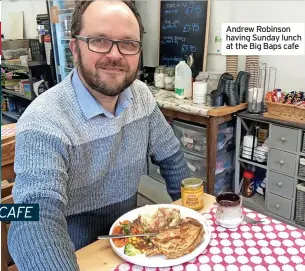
[(183, 81), (248, 184)]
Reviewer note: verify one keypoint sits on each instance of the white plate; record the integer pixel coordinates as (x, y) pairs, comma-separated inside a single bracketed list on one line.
[(161, 261)]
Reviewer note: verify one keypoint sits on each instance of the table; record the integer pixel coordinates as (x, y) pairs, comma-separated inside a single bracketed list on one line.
[(202, 114), (8, 132), (99, 255)]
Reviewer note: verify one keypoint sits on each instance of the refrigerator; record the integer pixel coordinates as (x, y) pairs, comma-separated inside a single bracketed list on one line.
[(60, 14)]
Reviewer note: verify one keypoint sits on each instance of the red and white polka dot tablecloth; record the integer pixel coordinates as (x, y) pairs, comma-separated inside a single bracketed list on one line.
[(272, 246)]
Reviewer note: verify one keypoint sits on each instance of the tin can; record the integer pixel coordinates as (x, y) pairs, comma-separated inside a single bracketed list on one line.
[(192, 193)]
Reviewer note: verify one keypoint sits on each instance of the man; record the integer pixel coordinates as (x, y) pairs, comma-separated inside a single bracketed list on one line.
[(81, 146)]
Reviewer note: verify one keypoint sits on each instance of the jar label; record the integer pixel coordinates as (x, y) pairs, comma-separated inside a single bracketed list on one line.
[(179, 91), (193, 201)]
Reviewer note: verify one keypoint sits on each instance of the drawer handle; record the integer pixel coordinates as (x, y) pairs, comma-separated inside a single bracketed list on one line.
[(283, 139), (282, 162), (280, 184), (277, 206)]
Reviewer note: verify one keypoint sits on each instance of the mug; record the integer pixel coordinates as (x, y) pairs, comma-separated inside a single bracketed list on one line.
[(229, 211)]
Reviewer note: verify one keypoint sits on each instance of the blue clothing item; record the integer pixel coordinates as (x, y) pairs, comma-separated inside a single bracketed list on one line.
[(91, 107)]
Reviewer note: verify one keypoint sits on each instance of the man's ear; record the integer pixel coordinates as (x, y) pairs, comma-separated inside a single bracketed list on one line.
[(72, 46)]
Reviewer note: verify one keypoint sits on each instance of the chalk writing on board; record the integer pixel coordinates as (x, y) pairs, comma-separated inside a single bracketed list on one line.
[(195, 27), (188, 47), (189, 10), (172, 6), (192, 48), (172, 58), (182, 31), (172, 11), (191, 27), (188, 4), (185, 48), (169, 40), (168, 24), (187, 28), (177, 38), (197, 9)]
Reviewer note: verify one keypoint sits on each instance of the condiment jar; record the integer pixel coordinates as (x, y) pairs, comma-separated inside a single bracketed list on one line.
[(248, 184), (159, 77), (192, 193), (169, 78)]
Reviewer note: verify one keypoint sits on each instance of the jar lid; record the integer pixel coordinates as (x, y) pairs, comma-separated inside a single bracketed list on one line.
[(248, 174), (192, 182)]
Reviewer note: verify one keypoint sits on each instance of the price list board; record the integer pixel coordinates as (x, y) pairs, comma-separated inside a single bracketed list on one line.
[(183, 28)]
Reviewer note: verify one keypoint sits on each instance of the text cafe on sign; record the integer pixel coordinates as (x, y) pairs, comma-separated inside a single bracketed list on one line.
[(19, 212)]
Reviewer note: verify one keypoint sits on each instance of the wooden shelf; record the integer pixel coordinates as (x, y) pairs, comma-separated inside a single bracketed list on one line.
[(226, 110)]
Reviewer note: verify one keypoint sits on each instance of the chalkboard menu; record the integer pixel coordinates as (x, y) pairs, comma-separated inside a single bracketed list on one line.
[(182, 32)]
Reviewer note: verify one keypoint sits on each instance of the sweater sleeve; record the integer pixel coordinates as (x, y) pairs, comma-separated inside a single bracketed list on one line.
[(164, 150), (41, 166)]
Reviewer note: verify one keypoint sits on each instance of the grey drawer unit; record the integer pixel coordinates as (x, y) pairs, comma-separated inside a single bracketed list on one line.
[(278, 205), (284, 138), (284, 162), (280, 184)]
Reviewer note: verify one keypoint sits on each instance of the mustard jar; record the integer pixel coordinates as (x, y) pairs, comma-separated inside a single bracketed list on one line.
[(192, 193)]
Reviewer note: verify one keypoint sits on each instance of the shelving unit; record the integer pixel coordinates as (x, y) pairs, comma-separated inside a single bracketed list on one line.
[(280, 170), (15, 93), (35, 69)]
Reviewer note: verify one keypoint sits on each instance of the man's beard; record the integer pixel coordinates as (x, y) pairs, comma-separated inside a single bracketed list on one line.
[(95, 82)]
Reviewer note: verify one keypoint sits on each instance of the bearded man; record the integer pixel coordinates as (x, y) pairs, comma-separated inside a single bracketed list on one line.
[(81, 146)]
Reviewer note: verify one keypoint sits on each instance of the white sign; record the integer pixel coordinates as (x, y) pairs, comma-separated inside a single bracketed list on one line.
[(262, 39)]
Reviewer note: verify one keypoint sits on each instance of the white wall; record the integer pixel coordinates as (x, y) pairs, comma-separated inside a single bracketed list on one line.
[(150, 10), (30, 10), (290, 69)]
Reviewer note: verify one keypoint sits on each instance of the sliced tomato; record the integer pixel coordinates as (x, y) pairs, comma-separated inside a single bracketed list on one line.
[(125, 222), (117, 230), (120, 242)]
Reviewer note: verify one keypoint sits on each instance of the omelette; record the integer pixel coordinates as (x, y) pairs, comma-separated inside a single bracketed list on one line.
[(177, 241)]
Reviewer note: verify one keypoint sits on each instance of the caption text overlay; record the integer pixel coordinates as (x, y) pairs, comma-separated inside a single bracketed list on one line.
[(19, 212), (262, 38)]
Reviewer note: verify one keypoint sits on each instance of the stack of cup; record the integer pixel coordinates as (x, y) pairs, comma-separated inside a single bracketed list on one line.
[(199, 92)]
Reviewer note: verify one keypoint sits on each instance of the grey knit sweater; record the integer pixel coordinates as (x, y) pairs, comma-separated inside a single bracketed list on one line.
[(84, 173)]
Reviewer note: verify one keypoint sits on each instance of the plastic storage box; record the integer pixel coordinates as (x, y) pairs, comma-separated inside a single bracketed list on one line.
[(196, 165), (193, 138), (223, 182)]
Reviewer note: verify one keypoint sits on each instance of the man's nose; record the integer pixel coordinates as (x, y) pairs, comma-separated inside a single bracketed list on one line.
[(114, 53)]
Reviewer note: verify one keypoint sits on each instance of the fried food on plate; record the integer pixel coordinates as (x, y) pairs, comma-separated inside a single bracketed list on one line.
[(177, 236), (176, 242)]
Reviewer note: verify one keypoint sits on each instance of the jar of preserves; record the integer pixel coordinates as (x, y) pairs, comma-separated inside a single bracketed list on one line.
[(192, 193), (159, 76)]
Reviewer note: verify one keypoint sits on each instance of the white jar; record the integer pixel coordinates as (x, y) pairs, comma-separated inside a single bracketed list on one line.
[(159, 77), (169, 79)]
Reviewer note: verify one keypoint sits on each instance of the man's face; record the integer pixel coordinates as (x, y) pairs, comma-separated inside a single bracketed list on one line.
[(108, 73)]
